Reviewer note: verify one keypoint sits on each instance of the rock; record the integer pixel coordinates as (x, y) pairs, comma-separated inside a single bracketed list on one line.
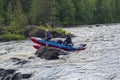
[(15, 59), (25, 76), (33, 31), (2, 72), (31, 57), (56, 34), (10, 71), (28, 29), (22, 62), (41, 51), (6, 74), (97, 25), (19, 61), (17, 76), (90, 26), (1, 69), (9, 74), (49, 53)]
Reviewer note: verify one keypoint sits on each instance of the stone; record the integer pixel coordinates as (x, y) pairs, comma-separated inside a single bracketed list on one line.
[(25, 76), (49, 53)]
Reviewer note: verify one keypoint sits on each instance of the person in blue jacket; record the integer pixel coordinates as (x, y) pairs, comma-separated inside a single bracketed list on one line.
[(47, 35), (68, 40)]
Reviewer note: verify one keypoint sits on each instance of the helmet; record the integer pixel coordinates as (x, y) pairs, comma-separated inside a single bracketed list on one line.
[(67, 33), (46, 30)]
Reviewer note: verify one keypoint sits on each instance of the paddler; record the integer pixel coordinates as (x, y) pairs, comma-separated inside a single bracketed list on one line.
[(68, 40), (47, 35)]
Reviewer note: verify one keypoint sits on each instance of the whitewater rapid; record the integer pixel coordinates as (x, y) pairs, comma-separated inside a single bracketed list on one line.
[(100, 60)]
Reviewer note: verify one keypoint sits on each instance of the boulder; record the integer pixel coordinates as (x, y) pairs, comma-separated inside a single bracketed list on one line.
[(32, 30), (49, 53), (35, 31)]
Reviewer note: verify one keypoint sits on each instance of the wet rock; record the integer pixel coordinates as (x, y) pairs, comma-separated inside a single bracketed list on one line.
[(50, 56), (1, 69), (31, 57), (97, 25), (41, 51), (10, 71), (17, 76), (9, 74), (22, 62), (90, 26), (25, 76), (15, 59), (49, 53), (19, 61), (4, 72)]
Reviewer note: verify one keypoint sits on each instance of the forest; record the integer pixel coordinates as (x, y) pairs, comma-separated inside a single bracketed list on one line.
[(59, 12), (15, 15)]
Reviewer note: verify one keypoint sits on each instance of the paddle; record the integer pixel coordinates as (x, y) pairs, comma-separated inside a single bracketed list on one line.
[(46, 43)]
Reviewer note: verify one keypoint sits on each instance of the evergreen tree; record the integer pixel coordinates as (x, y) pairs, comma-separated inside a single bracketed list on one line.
[(43, 11), (99, 13), (117, 11), (20, 16), (85, 10), (66, 12), (1, 12)]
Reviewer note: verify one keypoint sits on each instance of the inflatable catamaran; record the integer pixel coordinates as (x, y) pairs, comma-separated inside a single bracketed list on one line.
[(41, 42)]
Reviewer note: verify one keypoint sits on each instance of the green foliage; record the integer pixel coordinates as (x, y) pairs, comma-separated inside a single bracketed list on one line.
[(1, 12), (51, 28), (18, 15), (42, 11), (14, 28), (9, 37), (56, 29), (66, 12), (61, 12)]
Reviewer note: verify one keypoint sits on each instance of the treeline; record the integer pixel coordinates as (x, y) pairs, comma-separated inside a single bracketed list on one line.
[(58, 12)]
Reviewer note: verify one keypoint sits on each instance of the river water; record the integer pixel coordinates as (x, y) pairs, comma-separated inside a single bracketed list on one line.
[(99, 61)]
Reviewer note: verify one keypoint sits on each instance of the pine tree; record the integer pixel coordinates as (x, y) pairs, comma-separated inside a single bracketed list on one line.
[(16, 18), (1, 12), (66, 12), (20, 16), (43, 11)]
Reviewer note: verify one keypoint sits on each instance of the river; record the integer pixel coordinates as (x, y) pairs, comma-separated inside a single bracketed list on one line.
[(99, 61)]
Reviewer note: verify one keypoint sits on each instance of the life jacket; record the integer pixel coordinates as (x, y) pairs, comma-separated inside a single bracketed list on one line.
[(48, 35), (68, 39)]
